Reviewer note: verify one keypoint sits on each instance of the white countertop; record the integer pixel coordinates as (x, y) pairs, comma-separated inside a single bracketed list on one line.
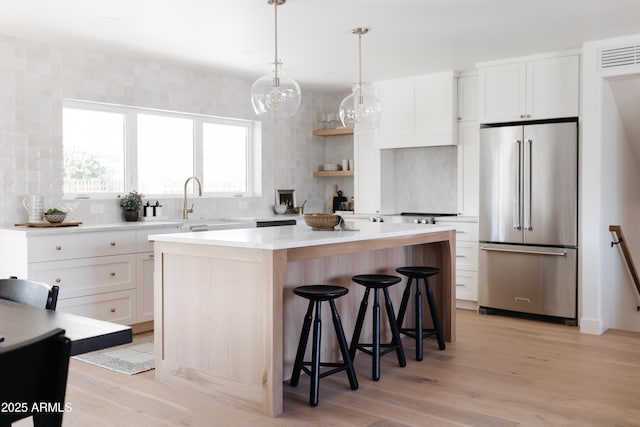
[(83, 228), (296, 236)]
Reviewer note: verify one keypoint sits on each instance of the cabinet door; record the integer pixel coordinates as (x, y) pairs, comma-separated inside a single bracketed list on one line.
[(468, 168), (367, 174), (145, 287), (553, 87), (502, 92), (374, 176), (434, 110), (396, 119), (467, 98)]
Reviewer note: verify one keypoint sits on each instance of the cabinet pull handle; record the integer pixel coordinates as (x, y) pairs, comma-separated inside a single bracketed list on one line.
[(460, 256), (113, 310), (58, 248), (112, 243), (112, 274), (151, 256), (58, 280)]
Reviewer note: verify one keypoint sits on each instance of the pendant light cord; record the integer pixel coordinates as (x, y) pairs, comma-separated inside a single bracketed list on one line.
[(276, 76), (360, 99)]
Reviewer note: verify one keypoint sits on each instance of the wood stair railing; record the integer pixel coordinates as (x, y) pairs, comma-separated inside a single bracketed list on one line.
[(617, 230)]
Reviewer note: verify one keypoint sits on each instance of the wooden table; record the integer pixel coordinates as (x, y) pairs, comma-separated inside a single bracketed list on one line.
[(227, 322), (19, 322)]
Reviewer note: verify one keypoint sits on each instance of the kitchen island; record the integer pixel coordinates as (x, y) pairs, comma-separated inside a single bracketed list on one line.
[(227, 322)]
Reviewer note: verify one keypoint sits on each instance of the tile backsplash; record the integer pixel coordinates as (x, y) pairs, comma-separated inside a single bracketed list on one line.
[(37, 76)]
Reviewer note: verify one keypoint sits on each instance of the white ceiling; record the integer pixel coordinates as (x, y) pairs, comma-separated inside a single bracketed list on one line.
[(407, 37)]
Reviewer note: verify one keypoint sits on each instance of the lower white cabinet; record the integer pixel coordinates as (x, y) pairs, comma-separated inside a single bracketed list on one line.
[(118, 307), (466, 260), (145, 286), (105, 274)]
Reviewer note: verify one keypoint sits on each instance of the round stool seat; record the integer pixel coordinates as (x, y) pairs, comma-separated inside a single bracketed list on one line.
[(418, 272), (376, 280), (320, 292)]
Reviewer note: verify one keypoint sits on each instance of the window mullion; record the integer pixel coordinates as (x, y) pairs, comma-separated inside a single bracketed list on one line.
[(198, 167), (131, 151)]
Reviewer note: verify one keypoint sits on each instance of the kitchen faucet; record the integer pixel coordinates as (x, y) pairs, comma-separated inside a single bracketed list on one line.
[(185, 210)]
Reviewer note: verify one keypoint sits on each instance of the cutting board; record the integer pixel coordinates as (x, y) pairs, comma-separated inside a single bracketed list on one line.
[(49, 224)]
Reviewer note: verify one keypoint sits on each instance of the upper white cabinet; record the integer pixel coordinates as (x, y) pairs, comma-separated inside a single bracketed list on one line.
[(529, 89), (467, 98), (417, 111)]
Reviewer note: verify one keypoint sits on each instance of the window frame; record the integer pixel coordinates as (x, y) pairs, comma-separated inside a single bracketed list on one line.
[(252, 161)]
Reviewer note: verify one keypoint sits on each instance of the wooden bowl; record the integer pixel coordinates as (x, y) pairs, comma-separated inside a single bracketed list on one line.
[(322, 221)]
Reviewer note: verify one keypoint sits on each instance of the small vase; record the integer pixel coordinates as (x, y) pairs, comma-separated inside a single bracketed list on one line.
[(131, 215)]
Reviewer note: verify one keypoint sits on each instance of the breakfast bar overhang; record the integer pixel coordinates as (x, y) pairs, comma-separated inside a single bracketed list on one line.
[(226, 319)]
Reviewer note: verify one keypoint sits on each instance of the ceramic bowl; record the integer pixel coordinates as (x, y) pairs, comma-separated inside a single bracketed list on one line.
[(280, 209), (54, 218)]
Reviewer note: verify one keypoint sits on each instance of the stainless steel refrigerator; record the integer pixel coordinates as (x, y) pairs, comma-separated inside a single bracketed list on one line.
[(528, 219)]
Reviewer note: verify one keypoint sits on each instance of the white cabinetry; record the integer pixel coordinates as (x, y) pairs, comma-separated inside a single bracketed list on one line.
[(466, 261), (417, 111), (101, 274), (529, 88), (373, 182), (468, 146), (468, 98)]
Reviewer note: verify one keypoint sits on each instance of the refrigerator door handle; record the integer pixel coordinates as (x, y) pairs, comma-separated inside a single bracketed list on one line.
[(528, 177), (517, 196), (522, 251)]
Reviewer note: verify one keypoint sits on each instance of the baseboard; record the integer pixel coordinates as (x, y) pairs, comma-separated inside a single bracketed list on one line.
[(466, 304), (591, 326)]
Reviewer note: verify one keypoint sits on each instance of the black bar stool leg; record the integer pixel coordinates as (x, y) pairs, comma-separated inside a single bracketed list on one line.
[(358, 328), (405, 300), (375, 367), (395, 331), (302, 346), (315, 358), (434, 315), (418, 316), (342, 341)]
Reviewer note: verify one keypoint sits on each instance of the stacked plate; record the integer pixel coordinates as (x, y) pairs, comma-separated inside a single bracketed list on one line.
[(330, 167)]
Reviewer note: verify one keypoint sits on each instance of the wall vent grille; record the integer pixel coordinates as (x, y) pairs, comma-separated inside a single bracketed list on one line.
[(622, 56)]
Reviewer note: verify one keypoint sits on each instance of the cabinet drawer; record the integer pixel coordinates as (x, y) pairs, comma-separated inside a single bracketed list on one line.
[(467, 285), (81, 277), (465, 231), (467, 255), (116, 307), (80, 245)]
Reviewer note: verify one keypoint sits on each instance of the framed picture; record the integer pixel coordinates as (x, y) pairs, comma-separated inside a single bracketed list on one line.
[(287, 197)]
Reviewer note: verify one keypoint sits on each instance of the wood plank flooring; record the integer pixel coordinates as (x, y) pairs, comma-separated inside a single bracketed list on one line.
[(500, 372)]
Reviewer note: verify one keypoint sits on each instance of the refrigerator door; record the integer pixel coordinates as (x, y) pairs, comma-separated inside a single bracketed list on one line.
[(550, 184), (528, 279), (500, 214)]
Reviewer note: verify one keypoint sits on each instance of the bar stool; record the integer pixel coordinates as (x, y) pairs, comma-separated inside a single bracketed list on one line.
[(316, 294), (419, 332), (377, 282)]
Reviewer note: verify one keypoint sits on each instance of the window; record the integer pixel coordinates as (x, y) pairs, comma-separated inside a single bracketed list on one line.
[(115, 149)]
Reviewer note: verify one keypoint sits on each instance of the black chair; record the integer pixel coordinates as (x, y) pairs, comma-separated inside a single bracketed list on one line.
[(418, 332), (377, 282), (33, 379), (316, 294), (29, 292)]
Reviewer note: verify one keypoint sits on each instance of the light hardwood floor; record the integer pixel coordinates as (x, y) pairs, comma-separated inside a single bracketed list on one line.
[(500, 372)]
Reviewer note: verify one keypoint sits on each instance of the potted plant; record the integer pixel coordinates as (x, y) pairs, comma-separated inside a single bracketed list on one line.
[(131, 204)]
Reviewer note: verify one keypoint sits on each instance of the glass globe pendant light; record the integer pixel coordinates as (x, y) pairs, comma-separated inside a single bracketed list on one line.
[(361, 106), (275, 94)]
